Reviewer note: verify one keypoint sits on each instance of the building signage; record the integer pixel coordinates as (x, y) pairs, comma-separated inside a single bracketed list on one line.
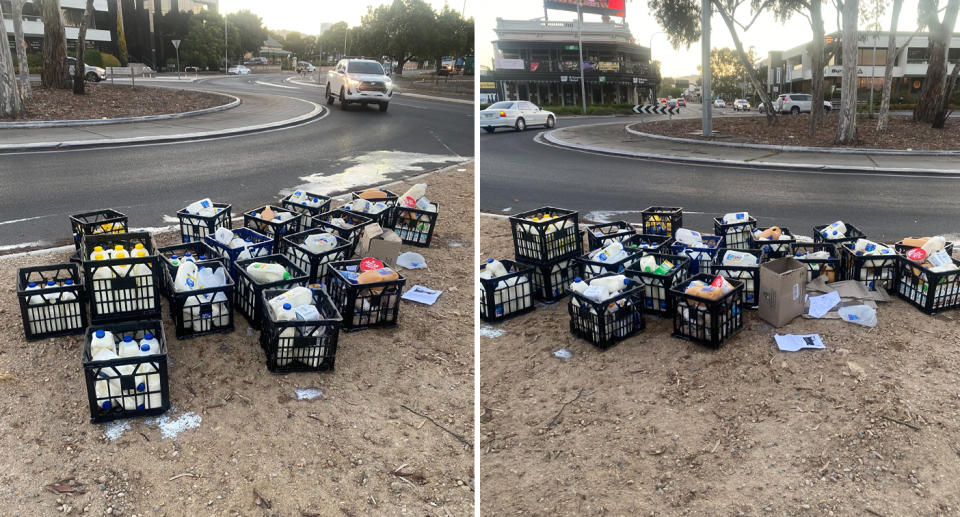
[(608, 66), (837, 71), (488, 85), (606, 7), (508, 64)]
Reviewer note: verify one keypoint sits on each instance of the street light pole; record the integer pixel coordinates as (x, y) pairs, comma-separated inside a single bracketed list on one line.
[(583, 84), (226, 59), (706, 105), (650, 48)]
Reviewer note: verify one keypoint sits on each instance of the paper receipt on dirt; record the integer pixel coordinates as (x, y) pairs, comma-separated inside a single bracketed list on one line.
[(794, 342), (820, 305), (421, 294)]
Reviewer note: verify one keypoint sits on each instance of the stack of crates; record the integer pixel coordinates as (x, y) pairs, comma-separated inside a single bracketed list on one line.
[(736, 235), (601, 235), (52, 301), (121, 289), (317, 205), (349, 230), (589, 268), (662, 220), (194, 227), (648, 243), (657, 286), (548, 239), (363, 306), (300, 346), (257, 245), (276, 228), (928, 291), (749, 275), (606, 323), (249, 293), (314, 264), (415, 226), (387, 217), (828, 267), (782, 247), (506, 296), (875, 272), (171, 256), (198, 312), (704, 321), (95, 223)]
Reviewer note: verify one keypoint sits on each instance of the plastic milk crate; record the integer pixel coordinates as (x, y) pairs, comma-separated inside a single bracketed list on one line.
[(363, 306), (350, 230), (201, 311), (47, 309), (258, 245), (873, 271), (314, 264), (127, 386), (704, 321), (415, 226), (316, 205), (276, 228), (249, 291), (662, 220), (96, 223), (387, 217), (194, 227), (554, 235), (601, 235), (171, 256), (851, 236), (587, 268), (506, 296), (928, 291), (606, 323), (301, 346), (656, 287), (648, 243), (736, 235), (551, 280), (125, 288), (748, 275), (701, 258), (829, 267), (775, 249)]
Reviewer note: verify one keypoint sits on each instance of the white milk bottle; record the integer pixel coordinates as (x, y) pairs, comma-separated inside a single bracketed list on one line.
[(320, 242), (612, 284), (102, 286), (689, 237), (102, 340), (186, 279), (496, 267), (97, 249), (648, 263), (739, 259), (52, 311), (203, 208), (37, 313), (223, 236), (107, 386), (934, 244), (125, 297), (144, 276), (312, 356), (285, 350), (295, 297), (836, 230), (71, 307), (151, 380), (736, 217), (128, 348), (264, 273)]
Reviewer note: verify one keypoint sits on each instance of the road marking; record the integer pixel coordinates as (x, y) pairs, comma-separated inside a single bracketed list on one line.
[(277, 85), (21, 245), (22, 220)]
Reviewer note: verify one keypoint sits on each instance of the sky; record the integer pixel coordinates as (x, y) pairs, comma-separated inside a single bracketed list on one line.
[(765, 35)]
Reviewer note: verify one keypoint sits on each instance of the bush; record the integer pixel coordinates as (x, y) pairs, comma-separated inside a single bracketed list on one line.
[(109, 60), (593, 109)]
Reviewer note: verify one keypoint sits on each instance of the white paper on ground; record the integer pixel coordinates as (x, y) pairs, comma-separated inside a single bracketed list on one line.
[(421, 294), (820, 305), (794, 342)]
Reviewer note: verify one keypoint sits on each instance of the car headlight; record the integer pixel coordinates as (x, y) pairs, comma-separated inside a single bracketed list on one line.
[(388, 83), (353, 82)]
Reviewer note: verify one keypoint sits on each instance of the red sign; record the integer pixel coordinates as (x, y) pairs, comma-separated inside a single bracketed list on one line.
[(605, 7), (917, 254), (370, 264)]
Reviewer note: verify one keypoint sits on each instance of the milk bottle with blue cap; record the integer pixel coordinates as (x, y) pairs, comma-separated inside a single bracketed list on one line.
[(150, 382), (107, 386)]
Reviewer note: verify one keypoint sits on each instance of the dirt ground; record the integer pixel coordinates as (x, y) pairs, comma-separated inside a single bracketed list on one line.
[(104, 100), (902, 132), (258, 450), (657, 425)]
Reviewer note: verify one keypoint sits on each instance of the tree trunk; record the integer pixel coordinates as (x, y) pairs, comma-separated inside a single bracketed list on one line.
[(55, 68), (888, 70), (11, 106), (944, 109), (847, 128), (935, 82), (121, 36), (745, 62), (816, 61), (26, 91), (79, 70)]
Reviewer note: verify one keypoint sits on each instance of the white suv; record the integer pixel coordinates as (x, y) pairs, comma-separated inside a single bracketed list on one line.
[(797, 103), (362, 81)]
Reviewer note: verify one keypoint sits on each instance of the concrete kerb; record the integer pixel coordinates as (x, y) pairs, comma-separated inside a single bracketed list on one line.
[(792, 148), (807, 167), (40, 124), (294, 80), (318, 112)]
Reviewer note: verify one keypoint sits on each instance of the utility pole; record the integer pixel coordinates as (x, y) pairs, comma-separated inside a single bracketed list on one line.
[(583, 84), (707, 106), (226, 59)]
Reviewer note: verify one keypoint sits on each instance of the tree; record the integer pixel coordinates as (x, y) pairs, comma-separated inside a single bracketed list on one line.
[(892, 55), (727, 72), (252, 31), (847, 128), (55, 66), (812, 10), (11, 106), (121, 36), (79, 84), (935, 83), (26, 91), (202, 44)]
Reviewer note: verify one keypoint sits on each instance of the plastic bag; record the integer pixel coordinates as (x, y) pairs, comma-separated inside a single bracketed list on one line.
[(411, 260)]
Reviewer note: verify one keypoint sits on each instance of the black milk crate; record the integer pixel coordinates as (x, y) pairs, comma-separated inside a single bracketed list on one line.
[(648, 243), (259, 245), (96, 223), (511, 299), (552, 280), (387, 217), (198, 251), (588, 268), (248, 292), (701, 258), (928, 291), (194, 227), (56, 310), (737, 235), (851, 236), (873, 271), (314, 264), (355, 224), (707, 322), (415, 226), (662, 220), (309, 212), (301, 346), (201, 311), (546, 241), (775, 249), (133, 290), (363, 306), (657, 287), (128, 386), (748, 275), (817, 267), (902, 249), (606, 323), (601, 235), (274, 229)]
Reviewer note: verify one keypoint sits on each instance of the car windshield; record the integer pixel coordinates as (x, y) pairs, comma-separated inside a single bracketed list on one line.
[(500, 106), (364, 67)]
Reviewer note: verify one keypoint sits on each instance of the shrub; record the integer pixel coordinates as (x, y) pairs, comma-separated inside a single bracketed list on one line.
[(109, 60)]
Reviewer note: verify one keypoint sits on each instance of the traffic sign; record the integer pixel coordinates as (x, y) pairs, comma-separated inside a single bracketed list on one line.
[(571, 47), (654, 110), (176, 43)]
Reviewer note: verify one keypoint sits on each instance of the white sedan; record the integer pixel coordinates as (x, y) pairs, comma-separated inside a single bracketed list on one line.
[(515, 114), (238, 70)]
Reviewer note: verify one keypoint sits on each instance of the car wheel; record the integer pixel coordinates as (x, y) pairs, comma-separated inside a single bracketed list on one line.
[(489, 129), (329, 96), (521, 125), (795, 110), (92, 77), (551, 122), (383, 106), (827, 109), (343, 100)]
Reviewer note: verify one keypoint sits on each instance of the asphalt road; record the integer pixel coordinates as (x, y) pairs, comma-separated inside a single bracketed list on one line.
[(147, 183)]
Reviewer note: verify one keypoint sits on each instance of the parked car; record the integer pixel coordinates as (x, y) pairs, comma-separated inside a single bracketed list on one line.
[(741, 105), (515, 114), (238, 70), (719, 103), (795, 103), (672, 103), (361, 81), (253, 61), (90, 73), (681, 103)]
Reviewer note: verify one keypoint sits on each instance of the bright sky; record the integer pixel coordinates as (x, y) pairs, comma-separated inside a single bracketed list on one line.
[(307, 15), (765, 35)]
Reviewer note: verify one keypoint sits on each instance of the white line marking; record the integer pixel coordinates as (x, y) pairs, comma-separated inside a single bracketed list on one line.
[(22, 220), (277, 85)]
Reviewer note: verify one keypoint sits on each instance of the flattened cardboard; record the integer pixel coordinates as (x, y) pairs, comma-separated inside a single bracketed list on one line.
[(783, 288)]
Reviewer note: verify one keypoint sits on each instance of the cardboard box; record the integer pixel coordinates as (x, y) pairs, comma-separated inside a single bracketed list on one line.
[(783, 287), (380, 244)]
